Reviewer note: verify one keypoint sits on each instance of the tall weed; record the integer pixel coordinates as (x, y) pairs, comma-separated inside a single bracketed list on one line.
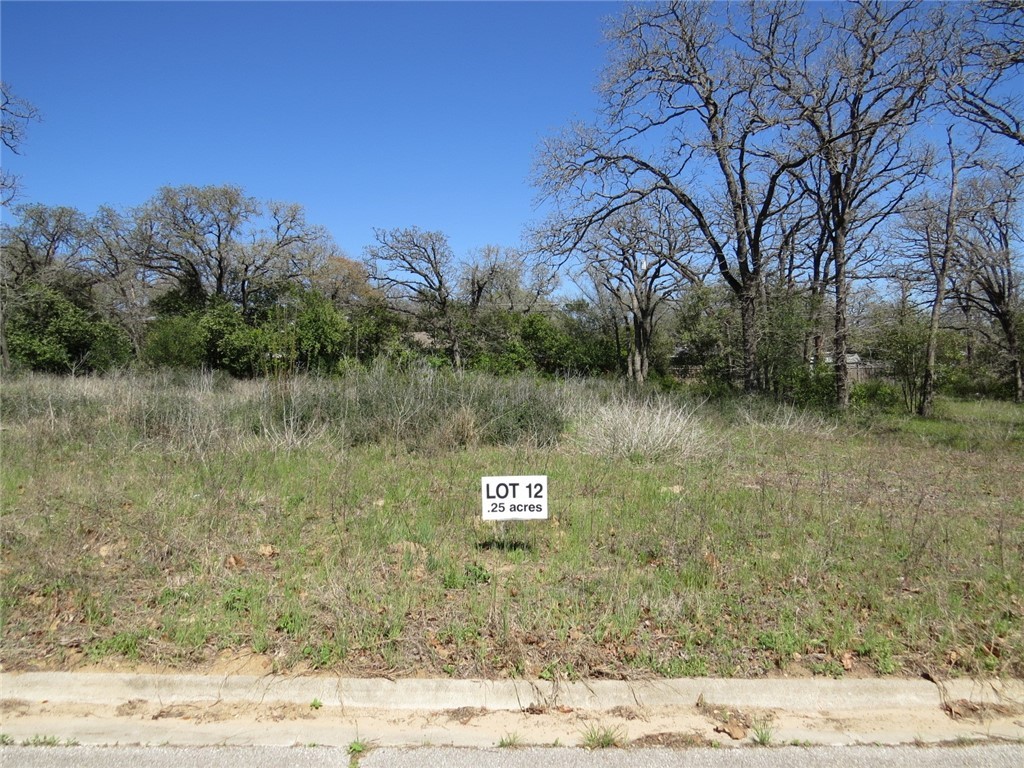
[(643, 432)]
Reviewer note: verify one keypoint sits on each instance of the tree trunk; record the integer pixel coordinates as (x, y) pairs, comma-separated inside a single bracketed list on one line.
[(748, 322), (638, 361), (5, 358), (454, 348), (925, 404), (842, 371), (840, 227), (814, 345), (1013, 344), (456, 356), (941, 273), (969, 340)]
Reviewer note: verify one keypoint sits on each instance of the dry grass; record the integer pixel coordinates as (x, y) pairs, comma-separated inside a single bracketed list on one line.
[(643, 432), (165, 521)]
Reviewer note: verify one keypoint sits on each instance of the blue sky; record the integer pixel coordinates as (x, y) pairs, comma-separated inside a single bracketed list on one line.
[(370, 114)]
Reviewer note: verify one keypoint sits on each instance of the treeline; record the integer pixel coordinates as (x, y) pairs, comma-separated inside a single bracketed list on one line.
[(208, 277), (782, 198)]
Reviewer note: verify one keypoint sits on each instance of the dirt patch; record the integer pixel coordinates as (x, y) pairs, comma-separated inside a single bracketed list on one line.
[(671, 740), (216, 712), (241, 663), (464, 714), (730, 721), (626, 713), (132, 708), (16, 707)]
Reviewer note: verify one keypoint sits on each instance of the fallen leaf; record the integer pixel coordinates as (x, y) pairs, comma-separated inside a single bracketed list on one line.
[(234, 562), (269, 550), (733, 728)]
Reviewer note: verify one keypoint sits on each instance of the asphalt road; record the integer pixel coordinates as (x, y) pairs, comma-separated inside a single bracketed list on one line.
[(986, 756)]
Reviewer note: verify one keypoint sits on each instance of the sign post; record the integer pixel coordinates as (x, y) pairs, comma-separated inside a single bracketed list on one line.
[(515, 497)]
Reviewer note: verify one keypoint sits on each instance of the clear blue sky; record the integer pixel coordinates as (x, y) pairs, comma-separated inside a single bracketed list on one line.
[(370, 114)]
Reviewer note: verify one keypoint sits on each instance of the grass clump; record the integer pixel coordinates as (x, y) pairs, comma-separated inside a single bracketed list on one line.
[(510, 740), (643, 432), (359, 747), (356, 750), (764, 732), (603, 737)]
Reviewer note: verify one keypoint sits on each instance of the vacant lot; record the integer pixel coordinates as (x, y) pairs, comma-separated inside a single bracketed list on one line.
[(335, 524)]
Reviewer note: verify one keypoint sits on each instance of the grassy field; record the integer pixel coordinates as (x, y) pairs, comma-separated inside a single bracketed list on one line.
[(335, 525)]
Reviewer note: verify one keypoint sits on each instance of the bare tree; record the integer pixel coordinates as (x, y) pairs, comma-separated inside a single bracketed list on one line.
[(46, 241), (639, 257), (119, 247), (198, 234), (981, 75), (418, 273), (931, 236), (687, 113), (15, 115), (989, 277), (451, 299), (283, 247), (344, 281), (507, 279), (858, 99), (940, 253), (217, 241)]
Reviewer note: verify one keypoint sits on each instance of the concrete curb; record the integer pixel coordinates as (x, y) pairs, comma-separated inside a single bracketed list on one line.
[(797, 696)]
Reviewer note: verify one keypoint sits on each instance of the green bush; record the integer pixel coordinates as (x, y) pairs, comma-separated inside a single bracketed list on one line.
[(976, 381), (46, 332), (177, 341), (302, 332), (877, 394), (321, 334), (811, 387), (514, 358)]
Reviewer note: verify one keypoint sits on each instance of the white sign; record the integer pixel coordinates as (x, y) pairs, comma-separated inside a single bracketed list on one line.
[(515, 497)]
